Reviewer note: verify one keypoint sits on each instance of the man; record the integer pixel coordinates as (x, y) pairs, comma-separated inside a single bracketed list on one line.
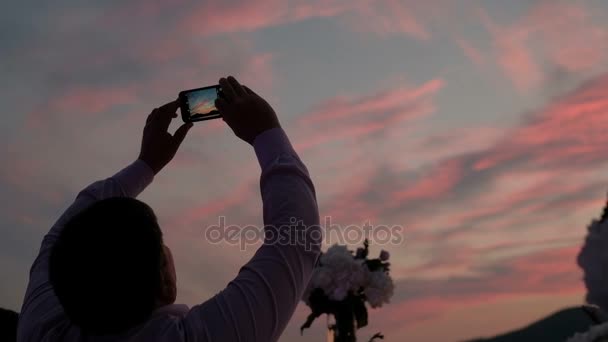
[(103, 273)]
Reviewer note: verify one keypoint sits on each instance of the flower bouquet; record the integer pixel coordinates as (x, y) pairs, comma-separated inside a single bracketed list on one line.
[(340, 285)]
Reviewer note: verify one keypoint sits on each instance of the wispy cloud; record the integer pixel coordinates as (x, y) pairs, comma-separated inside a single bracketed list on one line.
[(552, 270), (471, 52), (357, 117), (466, 213), (548, 35), (567, 132)]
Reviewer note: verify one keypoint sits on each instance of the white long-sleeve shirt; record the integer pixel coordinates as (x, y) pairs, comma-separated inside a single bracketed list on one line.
[(255, 306)]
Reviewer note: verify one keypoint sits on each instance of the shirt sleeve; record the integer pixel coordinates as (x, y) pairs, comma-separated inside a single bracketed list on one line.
[(259, 302), (41, 310)]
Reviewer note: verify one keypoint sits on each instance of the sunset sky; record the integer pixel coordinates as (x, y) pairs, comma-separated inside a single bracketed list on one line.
[(479, 126), (202, 101)]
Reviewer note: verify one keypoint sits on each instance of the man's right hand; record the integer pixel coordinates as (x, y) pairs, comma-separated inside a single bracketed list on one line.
[(247, 114), (158, 146)]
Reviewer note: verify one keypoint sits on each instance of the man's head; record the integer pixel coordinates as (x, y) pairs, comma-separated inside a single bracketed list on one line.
[(593, 259), (109, 267)]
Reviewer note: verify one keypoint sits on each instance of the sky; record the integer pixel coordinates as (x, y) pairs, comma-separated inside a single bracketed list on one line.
[(477, 126)]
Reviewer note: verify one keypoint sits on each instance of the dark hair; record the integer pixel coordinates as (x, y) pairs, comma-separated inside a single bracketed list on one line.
[(8, 325), (106, 266)]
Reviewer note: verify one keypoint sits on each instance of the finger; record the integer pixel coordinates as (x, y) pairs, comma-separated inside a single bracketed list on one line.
[(181, 133), (236, 86), (221, 104), (229, 93), (249, 91), (165, 114), (170, 107), (151, 115)]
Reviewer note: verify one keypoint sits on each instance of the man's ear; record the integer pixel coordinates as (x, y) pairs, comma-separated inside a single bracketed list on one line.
[(167, 293)]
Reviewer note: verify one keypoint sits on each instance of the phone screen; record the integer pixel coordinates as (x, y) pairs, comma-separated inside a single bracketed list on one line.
[(202, 102)]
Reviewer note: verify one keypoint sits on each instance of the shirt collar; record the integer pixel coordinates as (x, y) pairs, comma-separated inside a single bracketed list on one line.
[(172, 309)]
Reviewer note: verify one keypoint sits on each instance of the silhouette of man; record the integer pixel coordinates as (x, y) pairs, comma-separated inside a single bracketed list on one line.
[(104, 274)]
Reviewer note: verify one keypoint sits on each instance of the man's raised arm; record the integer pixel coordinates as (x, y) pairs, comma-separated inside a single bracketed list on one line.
[(259, 302)]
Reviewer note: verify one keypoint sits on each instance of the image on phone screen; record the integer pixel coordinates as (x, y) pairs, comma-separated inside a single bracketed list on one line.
[(202, 102)]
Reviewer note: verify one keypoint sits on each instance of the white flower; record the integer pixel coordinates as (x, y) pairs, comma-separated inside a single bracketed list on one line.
[(338, 274), (380, 289), (336, 255), (384, 255), (321, 277), (338, 294), (359, 276), (345, 270), (593, 335)]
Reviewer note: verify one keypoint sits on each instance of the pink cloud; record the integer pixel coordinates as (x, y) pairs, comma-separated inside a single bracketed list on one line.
[(568, 34), (260, 69), (513, 54), (384, 18), (216, 207), (542, 186), (559, 34), (341, 107), (388, 18), (355, 120), (91, 99), (349, 205), (472, 53), (568, 130), (217, 18), (551, 145), (23, 174), (210, 18), (78, 103), (437, 183), (341, 117), (339, 133), (455, 141), (318, 8), (548, 271)]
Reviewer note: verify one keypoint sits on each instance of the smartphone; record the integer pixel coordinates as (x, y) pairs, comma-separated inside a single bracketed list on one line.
[(199, 104)]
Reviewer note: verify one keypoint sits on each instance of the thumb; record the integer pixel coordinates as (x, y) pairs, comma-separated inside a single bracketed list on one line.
[(181, 132)]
